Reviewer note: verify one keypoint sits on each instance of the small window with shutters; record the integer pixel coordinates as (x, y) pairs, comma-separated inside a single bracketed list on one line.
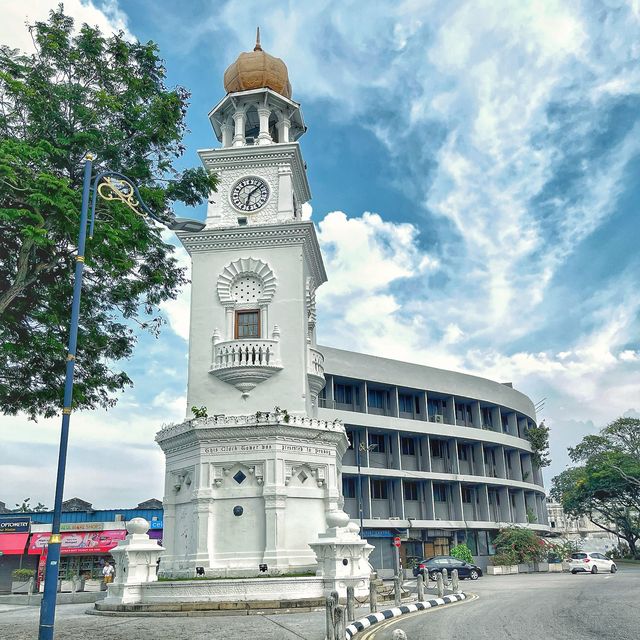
[(247, 324)]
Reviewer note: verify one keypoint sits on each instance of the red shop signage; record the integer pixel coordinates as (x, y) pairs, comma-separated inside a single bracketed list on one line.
[(79, 542)]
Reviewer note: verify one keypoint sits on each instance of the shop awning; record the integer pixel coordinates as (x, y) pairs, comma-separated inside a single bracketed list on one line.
[(13, 543), (95, 542)]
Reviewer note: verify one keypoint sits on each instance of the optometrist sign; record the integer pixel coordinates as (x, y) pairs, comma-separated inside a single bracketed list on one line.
[(15, 524)]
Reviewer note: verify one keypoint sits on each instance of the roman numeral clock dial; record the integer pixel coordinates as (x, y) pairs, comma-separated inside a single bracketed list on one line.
[(249, 194)]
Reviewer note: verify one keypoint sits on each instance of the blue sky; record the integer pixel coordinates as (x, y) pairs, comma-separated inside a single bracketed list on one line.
[(474, 175)]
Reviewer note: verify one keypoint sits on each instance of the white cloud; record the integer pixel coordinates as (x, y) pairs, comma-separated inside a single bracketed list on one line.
[(106, 15)]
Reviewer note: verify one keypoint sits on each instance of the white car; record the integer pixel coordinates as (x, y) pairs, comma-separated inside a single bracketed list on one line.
[(591, 563)]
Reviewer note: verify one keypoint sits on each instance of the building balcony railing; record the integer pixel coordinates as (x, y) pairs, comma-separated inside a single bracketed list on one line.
[(315, 364), (246, 353), (315, 371), (245, 363), (325, 403)]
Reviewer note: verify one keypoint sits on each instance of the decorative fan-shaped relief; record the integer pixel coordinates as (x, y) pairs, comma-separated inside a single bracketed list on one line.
[(246, 280)]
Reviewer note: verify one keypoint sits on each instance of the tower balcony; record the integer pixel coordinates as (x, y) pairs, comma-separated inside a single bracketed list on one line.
[(315, 371), (245, 363)]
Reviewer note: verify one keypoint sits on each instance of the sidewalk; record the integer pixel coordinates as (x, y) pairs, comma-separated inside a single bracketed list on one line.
[(21, 623)]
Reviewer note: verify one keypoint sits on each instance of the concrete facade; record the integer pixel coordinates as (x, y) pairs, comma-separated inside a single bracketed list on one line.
[(450, 460)]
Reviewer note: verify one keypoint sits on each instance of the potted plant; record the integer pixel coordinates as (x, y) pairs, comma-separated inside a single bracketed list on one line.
[(67, 582), (22, 580), (523, 545), (504, 563)]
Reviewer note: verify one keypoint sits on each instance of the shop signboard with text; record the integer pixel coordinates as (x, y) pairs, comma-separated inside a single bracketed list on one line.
[(15, 524), (93, 542)]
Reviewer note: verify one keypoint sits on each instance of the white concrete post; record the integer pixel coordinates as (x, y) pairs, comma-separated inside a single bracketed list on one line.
[(397, 590), (330, 605), (398, 634), (440, 585), (283, 127), (264, 137), (445, 577), (373, 596), (340, 622), (238, 120), (351, 604), (455, 585), (420, 582), (227, 133)]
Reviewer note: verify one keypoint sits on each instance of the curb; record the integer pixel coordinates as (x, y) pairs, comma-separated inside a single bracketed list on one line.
[(364, 623)]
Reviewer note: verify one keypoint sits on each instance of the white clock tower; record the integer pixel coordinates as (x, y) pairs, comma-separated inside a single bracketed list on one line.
[(257, 479)]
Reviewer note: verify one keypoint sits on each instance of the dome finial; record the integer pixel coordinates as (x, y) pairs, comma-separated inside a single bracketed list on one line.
[(258, 47)]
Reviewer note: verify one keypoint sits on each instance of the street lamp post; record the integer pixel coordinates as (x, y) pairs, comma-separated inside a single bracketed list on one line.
[(109, 185), (361, 448)]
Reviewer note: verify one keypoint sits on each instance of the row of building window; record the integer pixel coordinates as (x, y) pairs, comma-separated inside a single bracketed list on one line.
[(347, 396), (380, 491)]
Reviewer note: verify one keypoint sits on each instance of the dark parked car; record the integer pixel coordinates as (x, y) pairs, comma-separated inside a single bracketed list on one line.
[(434, 566)]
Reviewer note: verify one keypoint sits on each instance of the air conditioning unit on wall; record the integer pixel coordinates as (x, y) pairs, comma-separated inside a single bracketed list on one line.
[(439, 417)]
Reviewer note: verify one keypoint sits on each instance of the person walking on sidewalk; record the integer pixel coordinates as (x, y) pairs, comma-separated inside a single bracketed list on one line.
[(107, 572)]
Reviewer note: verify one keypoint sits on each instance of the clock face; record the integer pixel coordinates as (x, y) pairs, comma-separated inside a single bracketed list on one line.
[(250, 194)]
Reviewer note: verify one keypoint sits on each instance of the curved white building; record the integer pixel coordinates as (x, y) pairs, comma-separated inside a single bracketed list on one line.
[(444, 457)]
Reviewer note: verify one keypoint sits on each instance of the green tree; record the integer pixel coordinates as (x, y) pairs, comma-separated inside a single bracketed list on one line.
[(538, 436), (26, 507), (604, 484), (78, 93)]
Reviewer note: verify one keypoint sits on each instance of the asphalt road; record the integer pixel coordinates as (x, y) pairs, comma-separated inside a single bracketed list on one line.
[(533, 607), (520, 607)]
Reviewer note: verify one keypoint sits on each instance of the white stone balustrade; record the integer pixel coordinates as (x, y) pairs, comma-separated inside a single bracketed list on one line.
[(246, 353), (245, 363), (315, 363)]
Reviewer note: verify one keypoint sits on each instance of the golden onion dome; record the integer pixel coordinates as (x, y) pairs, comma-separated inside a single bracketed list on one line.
[(257, 70)]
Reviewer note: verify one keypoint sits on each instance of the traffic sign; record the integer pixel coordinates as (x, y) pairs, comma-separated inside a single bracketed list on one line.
[(396, 542)]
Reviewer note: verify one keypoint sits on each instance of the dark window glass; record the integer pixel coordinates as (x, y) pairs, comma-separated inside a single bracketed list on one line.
[(463, 452), (408, 446), (247, 324), (379, 489), (440, 492), (578, 556), (349, 487), (467, 495), (483, 543), (410, 490), (437, 450), (343, 394), (376, 398), (405, 403), (472, 542), (379, 440)]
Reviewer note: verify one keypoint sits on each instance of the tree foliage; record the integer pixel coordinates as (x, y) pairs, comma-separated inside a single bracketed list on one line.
[(604, 486), (78, 93), (538, 436), (27, 507), (515, 545), (462, 552)]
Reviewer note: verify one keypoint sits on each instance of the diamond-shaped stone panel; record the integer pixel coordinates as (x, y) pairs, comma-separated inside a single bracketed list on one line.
[(239, 477)]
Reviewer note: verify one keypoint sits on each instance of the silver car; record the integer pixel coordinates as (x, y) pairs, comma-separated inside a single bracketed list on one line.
[(589, 562)]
